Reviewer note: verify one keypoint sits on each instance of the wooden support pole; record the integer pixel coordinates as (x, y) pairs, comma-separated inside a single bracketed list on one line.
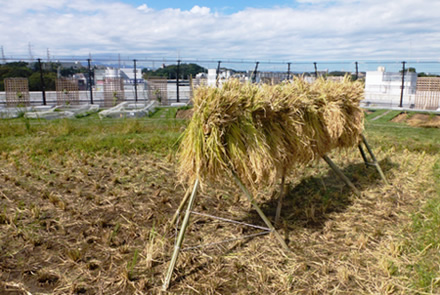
[(179, 241), (364, 156), (260, 212), (375, 163), (364, 141), (182, 204), (341, 175), (280, 198)]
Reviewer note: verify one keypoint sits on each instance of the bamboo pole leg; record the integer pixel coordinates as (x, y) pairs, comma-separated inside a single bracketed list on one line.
[(382, 175), (364, 140), (364, 156), (260, 212), (376, 164), (341, 175), (182, 204), (179, 241), (280, 198)]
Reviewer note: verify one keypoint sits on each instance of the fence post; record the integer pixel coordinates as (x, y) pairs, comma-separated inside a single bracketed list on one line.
[(135, 83), (357, 71), (403, 84), (288, 71), (254, 74), (90, 81), (316, 70), (177, 80), (43, 86), (217, 73)]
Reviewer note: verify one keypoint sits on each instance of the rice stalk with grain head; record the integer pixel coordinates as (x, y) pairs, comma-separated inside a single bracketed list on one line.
[(263, 131)]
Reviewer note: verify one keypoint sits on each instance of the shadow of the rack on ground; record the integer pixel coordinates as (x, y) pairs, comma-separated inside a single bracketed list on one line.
[(309, 202)]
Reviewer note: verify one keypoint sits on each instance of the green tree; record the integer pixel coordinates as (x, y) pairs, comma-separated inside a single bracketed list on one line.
[(32, 72), (49, 81), (338, 73), (13, 70), (409, 70), (423, 74), (170, 71)]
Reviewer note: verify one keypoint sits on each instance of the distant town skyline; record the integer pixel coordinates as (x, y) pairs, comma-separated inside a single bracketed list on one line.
[(276, 30)]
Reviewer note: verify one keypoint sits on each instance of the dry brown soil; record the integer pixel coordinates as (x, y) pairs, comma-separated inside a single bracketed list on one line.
[(184, 114)]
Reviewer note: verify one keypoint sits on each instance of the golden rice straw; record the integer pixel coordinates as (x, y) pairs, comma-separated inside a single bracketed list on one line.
[(259, 130)]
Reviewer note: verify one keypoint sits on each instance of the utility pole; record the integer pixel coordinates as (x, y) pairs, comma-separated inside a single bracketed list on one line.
[(90, 81), (135, 83), (177, 80), (357, 70), (403, 84), (254, 74), (217, 73), (43, 86)]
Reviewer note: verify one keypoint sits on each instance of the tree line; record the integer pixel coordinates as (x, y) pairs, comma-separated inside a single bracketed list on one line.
[(51, 70), (170, 71), (31, 71)]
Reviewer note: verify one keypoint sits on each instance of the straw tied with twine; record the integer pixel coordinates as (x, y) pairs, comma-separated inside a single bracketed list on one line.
[(262, 132)]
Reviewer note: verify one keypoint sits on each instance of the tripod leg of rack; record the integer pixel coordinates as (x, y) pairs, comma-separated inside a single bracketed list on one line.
[(280, 198), (341, 175), (364, 156), (179, 241), (375, 163), (182, 204), (260, 212)]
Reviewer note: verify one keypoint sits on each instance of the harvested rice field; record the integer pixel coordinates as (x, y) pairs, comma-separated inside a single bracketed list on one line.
[(85, 206)]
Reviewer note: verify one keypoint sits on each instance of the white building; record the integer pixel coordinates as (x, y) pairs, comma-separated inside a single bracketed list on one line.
[(127, 74), (223, 75), (384, 88)]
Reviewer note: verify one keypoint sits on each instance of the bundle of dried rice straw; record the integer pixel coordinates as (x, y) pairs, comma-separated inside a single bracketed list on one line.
[(261, 131)]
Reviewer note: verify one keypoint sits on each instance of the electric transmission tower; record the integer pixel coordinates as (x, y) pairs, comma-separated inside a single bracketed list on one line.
[(3, 56), (31, 56)]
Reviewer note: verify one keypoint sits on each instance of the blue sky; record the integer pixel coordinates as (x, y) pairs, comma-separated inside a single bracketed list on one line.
[(226, 7), (250, 30)]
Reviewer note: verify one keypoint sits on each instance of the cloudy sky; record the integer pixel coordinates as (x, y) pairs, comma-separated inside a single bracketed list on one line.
[(266, 30)]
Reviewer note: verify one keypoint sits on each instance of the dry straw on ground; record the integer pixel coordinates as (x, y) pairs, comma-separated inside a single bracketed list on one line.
[(72, 223), (261, 131)]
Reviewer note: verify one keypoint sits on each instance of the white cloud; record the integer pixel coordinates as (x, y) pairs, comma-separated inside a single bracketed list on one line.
[(320, 30), (144, 8), (200, 10)]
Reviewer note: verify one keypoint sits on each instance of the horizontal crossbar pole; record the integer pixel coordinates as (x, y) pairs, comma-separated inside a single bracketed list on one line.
[(226, 241), (231, 221)]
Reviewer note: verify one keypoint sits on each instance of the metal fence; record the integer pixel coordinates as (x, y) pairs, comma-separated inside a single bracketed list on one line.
[(410, 84)]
